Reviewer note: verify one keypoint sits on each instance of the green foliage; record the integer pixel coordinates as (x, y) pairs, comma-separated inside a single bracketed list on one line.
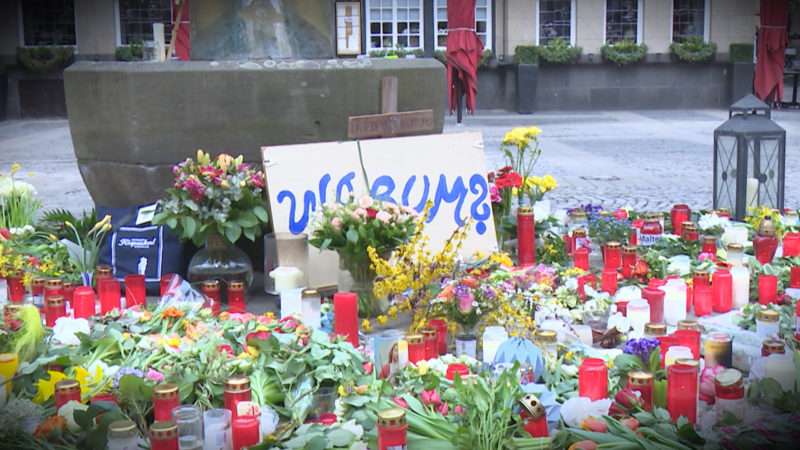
[(623, 52), (54, 222), (399, 51), (487, 55), (604, 229), (693, 49), (553, 251), (526, 54), (133, 52), (740, 52), (45, 58), (559, 51)]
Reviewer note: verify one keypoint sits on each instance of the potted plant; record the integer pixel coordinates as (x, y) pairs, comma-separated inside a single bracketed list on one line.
[(740, 55), (527, 59), (45, 58), (623, 52), (693, 49), (133, 52), (558, 51)]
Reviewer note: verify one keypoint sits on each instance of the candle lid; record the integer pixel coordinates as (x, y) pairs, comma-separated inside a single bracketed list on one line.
[(414, 338), (688, 362), (736, 247), (629, 249), (68, 285), (210, 284), (729, 378), (700, 273), (768, 315), (688, 325), (53, 283), (770, 346), (651, 217), (428, 333), (790, 212), (392, 418), (690, 228), (578, 215), (718, 340), (102, 270), (613, 244), (162, 431), (236, 285), (766, 228), (525, 211), (546, 336), (532, 405), (656, 329), (121, 428), (309, 293), (640, 378), (236, 383), (39, 281), (67, 385), (710, 239), (165, 389), (579, 232), (12, 308), (56, 300)]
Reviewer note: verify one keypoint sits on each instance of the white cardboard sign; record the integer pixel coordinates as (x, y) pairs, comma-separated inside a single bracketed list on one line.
[(448, 169)]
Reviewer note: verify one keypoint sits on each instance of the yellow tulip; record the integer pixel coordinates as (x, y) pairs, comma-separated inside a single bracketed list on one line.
[(46, 388)]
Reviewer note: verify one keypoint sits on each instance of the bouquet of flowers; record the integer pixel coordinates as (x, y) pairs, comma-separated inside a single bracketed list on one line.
[(466, 301), (222, 196), (18, 205)]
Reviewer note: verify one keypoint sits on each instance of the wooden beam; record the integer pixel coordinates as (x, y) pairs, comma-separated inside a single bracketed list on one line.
[(389, 124)]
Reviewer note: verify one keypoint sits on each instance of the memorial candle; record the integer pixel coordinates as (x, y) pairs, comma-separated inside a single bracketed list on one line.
[(772, 346), (83, 302), (643, 382), (210, 288), (245, 431), (608, 282), (767, 323), (135, 290), (666, 342), (702, 301), (655, 297), (765, 242), (593, 379), (680, 213), (217, 429), (108, 290), (16, 290), (613, 255), (69, 291), (53, 287), (345, 316), (791, 244), (66, 390), (729, 394), (164, 435), (781, 369), (674, 301), (710, 246), (721, 291), (236, 389), (54, 308), (740, 286), (690, 339), (440, 325), (429, 343), (718, 350), (534, 417), (691, 233), (164, 282), (629, 258), (392, 428), (238, 304), (580, 258), (526, 241), (682, 392), (416, 348), (165, 398), (122, 435), (37, 291), (767, 289), (654, 330), (794, 277), (638, 314)]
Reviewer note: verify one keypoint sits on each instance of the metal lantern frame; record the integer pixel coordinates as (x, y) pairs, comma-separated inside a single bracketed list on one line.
[(750, 133)]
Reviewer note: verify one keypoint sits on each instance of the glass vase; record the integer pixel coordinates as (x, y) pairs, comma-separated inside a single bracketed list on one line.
[(220, 260), (467, 343), (357, 277)]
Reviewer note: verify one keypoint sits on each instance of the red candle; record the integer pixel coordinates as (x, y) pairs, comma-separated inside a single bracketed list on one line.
[(665, 343), (634, 237), (135, 292), (416, 347), (643, 382), (710, 246), (612, 258), (345, 316), (105, 397), (583, 280), (651, 231), (66, 390), (392, 428), (236, 300), (655, 297), (102, 272), (458, 368), (236, 389), (794, 277), (593, 379), (629, 258), (37, 291), (721, 291), (164, 282), (682, 392), (429, 343), (791, 244), (679, 214), (567, 244), (210, 289), (764, 246), (608, 282), (622, 307), (164, 435), (83, 302), (165, 397), (54, 308), (767, 289), (440, 325), (16, 290), (580, 258), (245, 431), (109, 292), (691, 339), (69, 290), (691, 233), (700, 278), (702, 300), (534, 418), (53, 288), (526, 248)]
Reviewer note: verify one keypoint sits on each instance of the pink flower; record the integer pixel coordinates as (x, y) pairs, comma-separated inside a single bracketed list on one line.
[(336, 223), (361, 212), (494, 194), (400, 402), (383, 216), (465, 302), (430, 397), (443, 408), (704, 256), (257, 179), (366, 201), (154, 375), (458, 410)]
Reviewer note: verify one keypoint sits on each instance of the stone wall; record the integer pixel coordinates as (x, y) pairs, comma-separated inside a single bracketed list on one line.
[(131, 122)]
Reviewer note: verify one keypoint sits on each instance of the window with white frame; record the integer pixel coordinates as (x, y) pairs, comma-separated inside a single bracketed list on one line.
[(483, 23), (48, 22), (136, 19), (688, 19), (394, 23), (622, 20), (554, 21)]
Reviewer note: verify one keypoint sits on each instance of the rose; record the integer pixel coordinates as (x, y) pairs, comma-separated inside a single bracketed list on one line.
[(465, 301)]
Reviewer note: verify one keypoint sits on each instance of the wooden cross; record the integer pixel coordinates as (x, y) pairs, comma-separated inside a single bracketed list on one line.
[(389, 122)]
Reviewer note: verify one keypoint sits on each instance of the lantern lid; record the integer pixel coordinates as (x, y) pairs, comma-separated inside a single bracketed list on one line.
[(688, 325), (749, 104), (655, 329), (122, 426), (768, 315), (766, 228), (747, 124)]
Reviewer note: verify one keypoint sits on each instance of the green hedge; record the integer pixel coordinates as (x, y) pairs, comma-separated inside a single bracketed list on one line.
[(45, 58), (526, 54), (741, 52), (693, 49), (559, 51), (623, 52)]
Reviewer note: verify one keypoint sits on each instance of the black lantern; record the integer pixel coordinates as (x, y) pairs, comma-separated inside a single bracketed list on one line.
[(749, 159)]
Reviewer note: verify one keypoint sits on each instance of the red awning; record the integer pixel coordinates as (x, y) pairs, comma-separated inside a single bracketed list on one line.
[(464, 51), (183, 41), (772, 39)]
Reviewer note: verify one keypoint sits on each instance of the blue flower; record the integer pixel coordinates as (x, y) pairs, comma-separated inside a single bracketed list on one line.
[(126, 371)]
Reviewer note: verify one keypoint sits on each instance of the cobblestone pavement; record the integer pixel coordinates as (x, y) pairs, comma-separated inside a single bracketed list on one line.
[(649, 160)]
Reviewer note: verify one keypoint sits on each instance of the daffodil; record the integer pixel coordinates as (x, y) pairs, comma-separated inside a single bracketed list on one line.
[(46, 388)]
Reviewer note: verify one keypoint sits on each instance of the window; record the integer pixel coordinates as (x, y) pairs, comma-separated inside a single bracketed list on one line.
[(554, 21), (136, 19), (688, 19), (483, 22), (48, 22), (622, 20), (394, 22)]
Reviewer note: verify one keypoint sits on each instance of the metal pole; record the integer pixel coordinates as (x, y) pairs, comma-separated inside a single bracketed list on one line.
[(460, 102)]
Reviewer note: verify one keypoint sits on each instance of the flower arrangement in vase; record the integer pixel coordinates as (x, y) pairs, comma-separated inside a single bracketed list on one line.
[(18, 203), (215, 201)]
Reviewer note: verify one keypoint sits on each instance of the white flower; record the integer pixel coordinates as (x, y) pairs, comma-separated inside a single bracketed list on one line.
[(709, 221), (561, 216), (619, 321), (66, 328), (268, 421), (354, 428), (569, 370), (68, 412), (27, 229), (575, 409)]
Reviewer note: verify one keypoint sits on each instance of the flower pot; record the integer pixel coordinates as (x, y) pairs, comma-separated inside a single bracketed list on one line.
[(357, 277), (220, 260)]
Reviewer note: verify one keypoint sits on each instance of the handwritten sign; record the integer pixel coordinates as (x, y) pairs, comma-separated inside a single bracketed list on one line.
[(389, 124), (448, 169)]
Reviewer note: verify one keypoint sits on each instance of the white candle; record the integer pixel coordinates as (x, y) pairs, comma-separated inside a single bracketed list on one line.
[(674, 301), (675, 353), (781, 368), (311, 305), (402, 353), (735, 235), (291, 304), (286, 277), (752, 192), (740, 279), (217, 430), (492, 338), (638, 314)]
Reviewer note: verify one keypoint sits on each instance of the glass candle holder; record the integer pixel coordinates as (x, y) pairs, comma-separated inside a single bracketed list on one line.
[(691, 233), (736, 253), (16, 290), (721, 291), (608, 281), (526, 237), (54, 308), (165, 399), (718, 350), (593, 379), (629, 259), (643, 382), (613, 255), (108, 289), (690, 339), (53, 287), (767, 323), (285, 250), (767, 289), (580, 258), (440, 325), (236, 389), (654, 297), (164, 435), (123, 435), (729, 394), (311, 304), (709, 246), (678, 214), (791, 244), (674, 301), (702, 301), (638, 313), (190, 427), (83, 302), (781, 369), (210, 288), (764, 245), (9, 362), (66, 390), (416, 348), (135, 290), (245, 431), (217, 432), (429, 343), (547, 340), (772, 346), (392, 429), (682, 392)]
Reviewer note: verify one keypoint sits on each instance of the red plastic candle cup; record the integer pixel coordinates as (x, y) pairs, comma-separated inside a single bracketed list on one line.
[(210, 288), (66, 390), (69, 290), (164, 282), (534, 423), (682, 392), (165, 397), (236, 389), (53, 287), (691, 339), (83, 302), (656, 282), (721, 291), (440, 325), (612, 256), (245, 431), (567, 244), (392, 429), (16, 290), (791, 244), (794, 277), (54, 307), (458, 368), (629, 258), (593, 379), (655, 297), (236, 298), (345, 316), (105, 397), (580, 258), (622, 307), (702, 300), (680, 213), (526, 237), (700, 278), (665, 343), (643, 382), (608, 282), (430, 344), (416, 348), (767, 289), (164, 435), (109, 293), (710, 246), (135, 291)]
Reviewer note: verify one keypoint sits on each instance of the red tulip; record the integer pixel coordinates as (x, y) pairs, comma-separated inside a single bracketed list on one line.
[(5, 234), (592, 424), (458, 410), (400, 402), (583, 445), (368, 366), (443, 408), (470, 282), (430, 397), (620, 214), (627, 399), (631, 423)]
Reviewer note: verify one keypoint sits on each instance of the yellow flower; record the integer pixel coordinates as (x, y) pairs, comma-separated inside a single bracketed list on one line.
[(14, 168), (570, 354), (610, 364), (422, 367), (86, 379), (382, 320), (342, 391), (366, 325), (46, 388)]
